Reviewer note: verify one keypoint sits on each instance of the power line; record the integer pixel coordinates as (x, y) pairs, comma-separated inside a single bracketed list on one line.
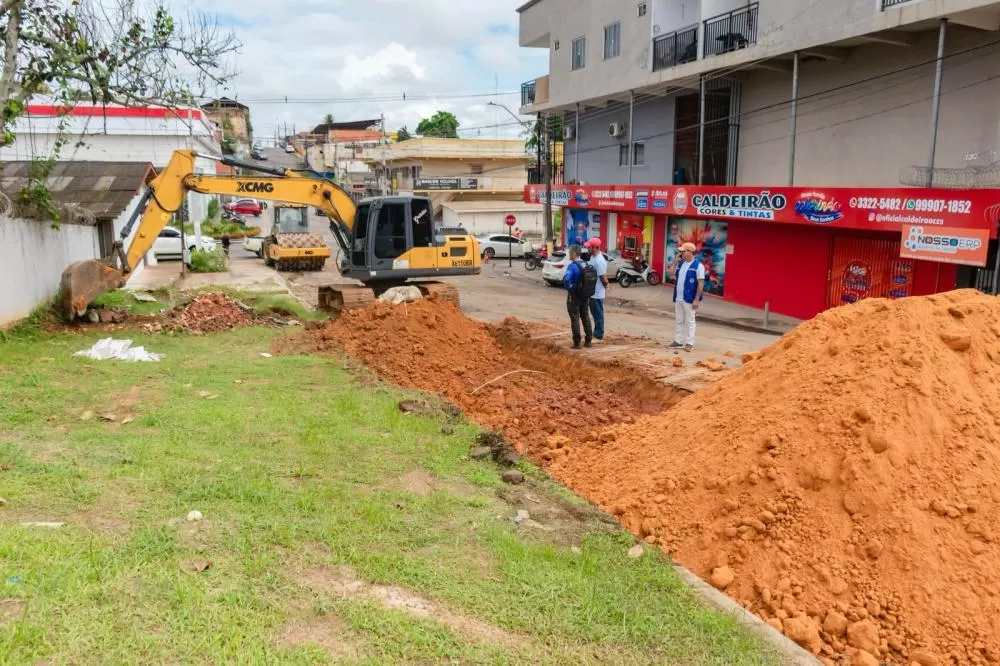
[(397, 97)]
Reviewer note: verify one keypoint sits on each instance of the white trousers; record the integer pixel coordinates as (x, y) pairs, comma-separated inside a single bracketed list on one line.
[(684, 333)]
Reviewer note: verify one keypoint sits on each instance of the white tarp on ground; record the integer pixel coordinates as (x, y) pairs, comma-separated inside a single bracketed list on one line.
[(120, 350)]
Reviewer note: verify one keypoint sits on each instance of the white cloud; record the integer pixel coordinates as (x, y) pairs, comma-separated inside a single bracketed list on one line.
[(355, 59)]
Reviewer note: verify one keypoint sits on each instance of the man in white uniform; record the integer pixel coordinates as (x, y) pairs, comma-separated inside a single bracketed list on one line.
[(689, 287)]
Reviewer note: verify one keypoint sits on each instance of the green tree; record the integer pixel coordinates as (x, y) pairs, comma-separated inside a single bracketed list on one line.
[(533, 136), (328, 119), (403, 134), (442, 124)]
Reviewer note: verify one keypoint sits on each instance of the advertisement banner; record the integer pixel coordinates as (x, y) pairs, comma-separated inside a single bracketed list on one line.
[(946, 245), (871, 209), (710, 238)]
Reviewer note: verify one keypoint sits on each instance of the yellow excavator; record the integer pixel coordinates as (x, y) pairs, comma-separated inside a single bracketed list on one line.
[(384, 242)]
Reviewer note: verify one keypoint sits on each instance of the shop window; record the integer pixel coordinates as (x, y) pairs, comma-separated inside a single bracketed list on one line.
[(641, 9)]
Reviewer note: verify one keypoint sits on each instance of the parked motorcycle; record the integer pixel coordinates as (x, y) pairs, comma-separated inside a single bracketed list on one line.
[(230, 216), (629, 275), (535, 257)]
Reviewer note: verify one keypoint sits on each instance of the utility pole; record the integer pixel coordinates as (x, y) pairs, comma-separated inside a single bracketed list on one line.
[(549, 236), (385, 143)]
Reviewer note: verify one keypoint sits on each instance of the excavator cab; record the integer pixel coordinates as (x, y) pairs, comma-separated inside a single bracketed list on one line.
[(394, 239)]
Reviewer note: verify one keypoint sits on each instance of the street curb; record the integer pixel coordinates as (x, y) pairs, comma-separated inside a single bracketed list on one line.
[(790, 651)]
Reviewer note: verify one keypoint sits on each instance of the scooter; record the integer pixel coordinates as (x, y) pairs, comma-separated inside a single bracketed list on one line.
[(534, 258), (629, 275), (230, 216)]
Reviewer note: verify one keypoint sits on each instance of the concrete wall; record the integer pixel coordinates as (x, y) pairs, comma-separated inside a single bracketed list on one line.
[(866, 134), (671, 15), (496, 174), (34, 256), (653, 125), (783, 27)]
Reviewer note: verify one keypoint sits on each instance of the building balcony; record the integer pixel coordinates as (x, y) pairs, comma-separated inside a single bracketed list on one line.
[(528, 93), (732, 31), (535, 92), (676, 48)]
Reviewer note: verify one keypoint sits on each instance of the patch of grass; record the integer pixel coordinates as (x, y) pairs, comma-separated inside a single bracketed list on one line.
[(282, 305), (208, 261), (122, 299), (45, 313), (296, 468)]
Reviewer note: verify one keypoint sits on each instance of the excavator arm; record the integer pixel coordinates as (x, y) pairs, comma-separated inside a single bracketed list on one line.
[(84, 281)]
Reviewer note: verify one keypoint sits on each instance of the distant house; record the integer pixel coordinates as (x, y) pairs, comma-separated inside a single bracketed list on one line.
[(233, 119), (453, 169)]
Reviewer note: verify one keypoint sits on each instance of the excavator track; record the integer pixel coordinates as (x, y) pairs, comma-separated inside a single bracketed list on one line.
[(445, 292), (335, 299)]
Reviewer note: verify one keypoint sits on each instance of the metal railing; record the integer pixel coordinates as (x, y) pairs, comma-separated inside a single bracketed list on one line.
[(677, 48), (886, 4), (731, 31), (528, 93)]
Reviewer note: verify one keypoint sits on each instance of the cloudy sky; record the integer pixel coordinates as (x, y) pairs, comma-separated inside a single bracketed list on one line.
[(349, 57)]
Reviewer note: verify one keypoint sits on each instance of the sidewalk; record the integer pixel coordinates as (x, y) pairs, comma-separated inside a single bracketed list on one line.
[(659, 299), (244, 273)]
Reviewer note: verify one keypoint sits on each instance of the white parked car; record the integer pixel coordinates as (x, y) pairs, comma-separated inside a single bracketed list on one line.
[(554, 268), (502, 245), (168, 244), (289, 148)]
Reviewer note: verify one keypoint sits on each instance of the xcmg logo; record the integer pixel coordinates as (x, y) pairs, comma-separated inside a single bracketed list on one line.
[(254, 186)]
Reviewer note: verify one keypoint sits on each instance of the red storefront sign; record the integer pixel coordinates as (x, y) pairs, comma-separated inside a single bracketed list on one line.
[(872, 209)]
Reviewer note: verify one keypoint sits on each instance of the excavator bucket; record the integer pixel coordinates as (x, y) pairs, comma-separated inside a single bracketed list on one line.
[(84, 281)]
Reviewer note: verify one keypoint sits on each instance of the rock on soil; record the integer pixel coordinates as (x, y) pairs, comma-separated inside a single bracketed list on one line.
[(848, 475)]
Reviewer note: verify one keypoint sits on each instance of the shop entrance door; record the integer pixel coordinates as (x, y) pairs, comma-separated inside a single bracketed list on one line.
[(867, 268)]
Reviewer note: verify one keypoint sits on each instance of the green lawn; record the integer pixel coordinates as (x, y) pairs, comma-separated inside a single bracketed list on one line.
[(336, 527)]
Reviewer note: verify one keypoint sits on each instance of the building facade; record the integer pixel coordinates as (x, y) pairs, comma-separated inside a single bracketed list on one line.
[(863, 107), (453, 169), (233, 120)]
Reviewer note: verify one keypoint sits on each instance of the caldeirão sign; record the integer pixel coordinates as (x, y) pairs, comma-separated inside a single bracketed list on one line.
[(946, 245)]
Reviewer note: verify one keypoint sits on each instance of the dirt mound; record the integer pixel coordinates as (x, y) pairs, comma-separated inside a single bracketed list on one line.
[(527, 392), (211, 313), (845, 484)]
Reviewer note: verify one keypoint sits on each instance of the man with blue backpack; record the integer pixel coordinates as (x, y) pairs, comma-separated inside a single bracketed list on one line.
[(689, 288), (580, 282)]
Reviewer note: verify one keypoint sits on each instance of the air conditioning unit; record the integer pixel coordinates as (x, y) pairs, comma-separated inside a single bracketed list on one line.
[(616, 130), (569, 132)]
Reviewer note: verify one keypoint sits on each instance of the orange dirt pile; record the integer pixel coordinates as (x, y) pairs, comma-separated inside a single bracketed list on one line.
[(430, 345), (211, 313), (844, 485)]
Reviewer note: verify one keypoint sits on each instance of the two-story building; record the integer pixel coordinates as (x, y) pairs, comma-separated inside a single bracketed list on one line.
[(473, 182), (850, 146)]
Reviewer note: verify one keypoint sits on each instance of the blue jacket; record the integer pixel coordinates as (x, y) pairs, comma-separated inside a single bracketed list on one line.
[(572, 277), (689, 281)]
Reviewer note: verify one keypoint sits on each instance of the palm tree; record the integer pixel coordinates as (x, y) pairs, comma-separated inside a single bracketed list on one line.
[(329, 119)]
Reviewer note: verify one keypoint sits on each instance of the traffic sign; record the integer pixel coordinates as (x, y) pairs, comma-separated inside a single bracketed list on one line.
[(510, 220)]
